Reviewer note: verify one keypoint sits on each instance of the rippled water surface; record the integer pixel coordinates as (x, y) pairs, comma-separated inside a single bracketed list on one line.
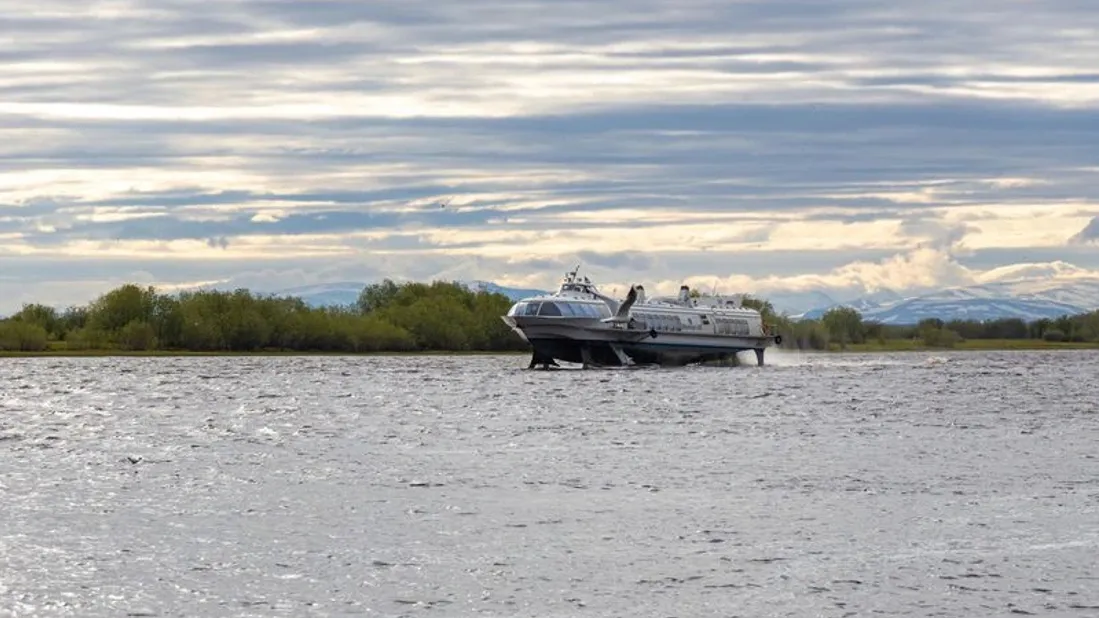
[(954, 484)]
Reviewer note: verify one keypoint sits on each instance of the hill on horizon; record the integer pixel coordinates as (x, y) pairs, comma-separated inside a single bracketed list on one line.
[(1026, 299)]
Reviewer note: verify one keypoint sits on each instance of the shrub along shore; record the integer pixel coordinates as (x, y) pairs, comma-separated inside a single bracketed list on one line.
[(437, 317)]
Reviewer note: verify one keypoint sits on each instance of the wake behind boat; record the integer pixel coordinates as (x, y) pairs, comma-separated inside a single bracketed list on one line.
[(579, 324)]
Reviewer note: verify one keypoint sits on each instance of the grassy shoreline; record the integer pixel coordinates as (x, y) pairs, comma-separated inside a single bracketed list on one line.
[(890, 345), (62, 353), (973, 345)]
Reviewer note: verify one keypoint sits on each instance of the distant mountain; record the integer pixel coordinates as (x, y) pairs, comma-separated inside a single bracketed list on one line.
[(1080, 291), (913, 310), (796, 302), (1087, 236), (512, 293), (1028, 299), (881, 298), (326, 294), (347, 292)]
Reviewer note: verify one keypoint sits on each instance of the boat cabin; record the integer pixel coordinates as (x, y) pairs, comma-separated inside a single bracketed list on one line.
[(574, 285), (576, 297)]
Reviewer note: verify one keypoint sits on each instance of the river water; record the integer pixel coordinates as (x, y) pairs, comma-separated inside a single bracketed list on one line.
[(945, 484)]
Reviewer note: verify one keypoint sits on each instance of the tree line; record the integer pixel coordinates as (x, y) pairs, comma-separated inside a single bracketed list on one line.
[(843, 326), (387, 318), (438, 316)]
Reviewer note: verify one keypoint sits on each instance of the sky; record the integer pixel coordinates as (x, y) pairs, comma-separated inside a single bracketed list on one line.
[(749, 146)]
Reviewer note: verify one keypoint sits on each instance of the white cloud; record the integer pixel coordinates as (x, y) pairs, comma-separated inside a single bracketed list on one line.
[(194, 140), (915, 270), (1057, 270)]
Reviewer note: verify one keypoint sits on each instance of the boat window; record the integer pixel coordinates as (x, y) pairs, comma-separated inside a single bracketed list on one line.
[(592, 311), (549, 309), (517, 309), (732, 326), (532, 308), (566, 309)]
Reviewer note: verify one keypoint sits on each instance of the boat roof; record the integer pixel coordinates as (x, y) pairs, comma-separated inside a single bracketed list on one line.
[(703, 301), (694, 308), (577, 288), (574, 283)]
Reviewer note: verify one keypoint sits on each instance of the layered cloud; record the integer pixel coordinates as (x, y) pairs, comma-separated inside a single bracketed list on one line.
[(1087, 236), (767, 146)]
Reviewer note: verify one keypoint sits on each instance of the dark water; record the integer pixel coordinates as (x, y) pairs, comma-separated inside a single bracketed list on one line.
[(956, 484)]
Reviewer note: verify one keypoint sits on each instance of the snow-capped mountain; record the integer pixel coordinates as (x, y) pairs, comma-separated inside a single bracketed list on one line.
[(796, 302), (912, 310), (881, 298), (1080, 291), (1025, 298), (1088, 235), (492, 288), (326, 294)]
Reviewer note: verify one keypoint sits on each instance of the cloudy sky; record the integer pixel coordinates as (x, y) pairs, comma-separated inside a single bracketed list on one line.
[(759, 145)]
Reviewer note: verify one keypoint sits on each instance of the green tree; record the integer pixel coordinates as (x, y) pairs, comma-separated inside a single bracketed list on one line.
[(244, 325), (167, 321), (938, 337), (72, 319), (1067, 326), (1087, 326), (20, 336), (1054, 334), (764, 307), (86, 338), (875, 331), (120, 306), (966, 329), (435, 323), (42, 315), (377, 296), (492, 332), (137, 335), (844, 324)]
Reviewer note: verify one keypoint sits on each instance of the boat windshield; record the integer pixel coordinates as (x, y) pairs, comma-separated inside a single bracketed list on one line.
[(566, 309)]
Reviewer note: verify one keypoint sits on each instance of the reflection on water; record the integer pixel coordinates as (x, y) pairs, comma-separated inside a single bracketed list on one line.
[(949, 484)]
